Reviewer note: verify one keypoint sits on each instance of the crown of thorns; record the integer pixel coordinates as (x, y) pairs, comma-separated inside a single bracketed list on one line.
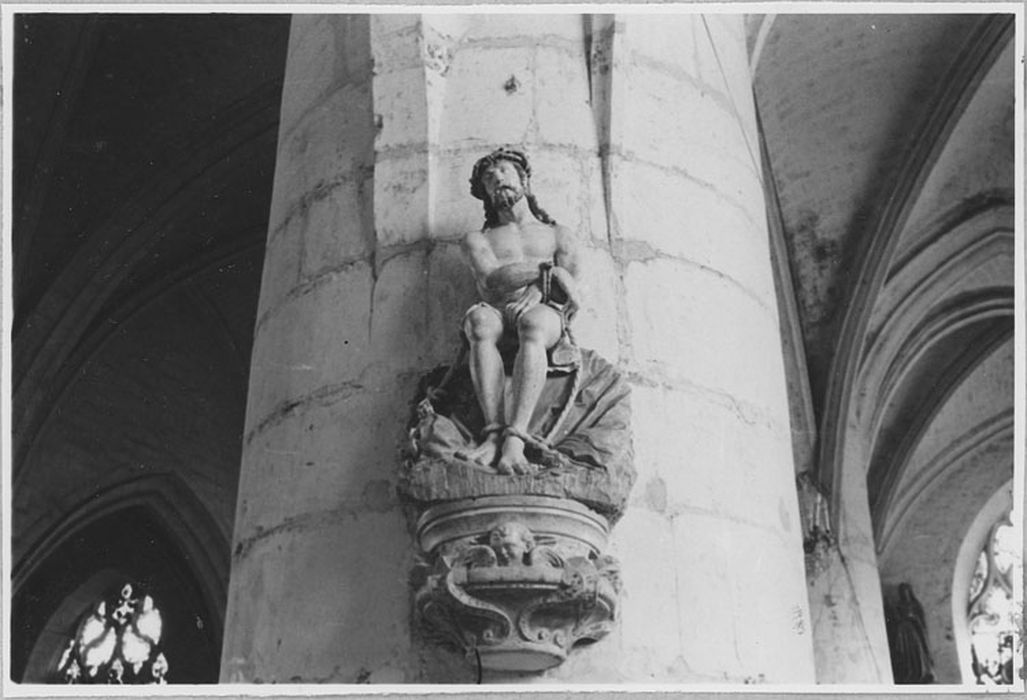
[(513, 155)]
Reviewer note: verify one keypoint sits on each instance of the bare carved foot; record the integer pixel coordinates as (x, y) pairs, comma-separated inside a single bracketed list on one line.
[(484, 455), (512, 460)]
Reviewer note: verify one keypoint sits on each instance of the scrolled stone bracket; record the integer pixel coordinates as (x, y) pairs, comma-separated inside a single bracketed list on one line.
[(515, 582)]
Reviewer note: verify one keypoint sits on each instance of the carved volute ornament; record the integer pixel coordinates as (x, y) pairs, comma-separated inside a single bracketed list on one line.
[(516, 596), (520, 457)]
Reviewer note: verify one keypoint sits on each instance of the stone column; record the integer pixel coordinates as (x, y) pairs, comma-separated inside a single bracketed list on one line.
[(711, 550), (320, 548), (642, 137)]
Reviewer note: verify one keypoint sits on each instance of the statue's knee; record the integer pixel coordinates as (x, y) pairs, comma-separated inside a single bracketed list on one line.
[(482, 325), (534, 326)]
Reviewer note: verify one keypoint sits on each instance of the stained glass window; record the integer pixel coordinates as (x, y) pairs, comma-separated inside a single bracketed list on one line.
[(995, 616), (119, 642)]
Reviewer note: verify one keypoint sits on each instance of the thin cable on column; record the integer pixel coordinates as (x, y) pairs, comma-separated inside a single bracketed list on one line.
[(730, 96)]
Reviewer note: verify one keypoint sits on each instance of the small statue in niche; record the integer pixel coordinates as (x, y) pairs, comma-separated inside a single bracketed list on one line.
[(526, 267), (528, 412), (907, 637), (520, 457)]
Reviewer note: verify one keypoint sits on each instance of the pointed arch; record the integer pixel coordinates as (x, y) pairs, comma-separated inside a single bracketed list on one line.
[(983, 50), (153, 526)]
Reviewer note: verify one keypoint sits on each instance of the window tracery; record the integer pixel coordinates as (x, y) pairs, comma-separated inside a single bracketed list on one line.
[(994, 615), (119, 642)]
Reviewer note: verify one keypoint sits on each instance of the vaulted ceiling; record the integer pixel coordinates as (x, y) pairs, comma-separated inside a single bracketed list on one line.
[(890, 144), (143, 158)]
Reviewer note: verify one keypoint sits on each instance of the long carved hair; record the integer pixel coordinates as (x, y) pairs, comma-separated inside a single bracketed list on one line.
[(520, 162)]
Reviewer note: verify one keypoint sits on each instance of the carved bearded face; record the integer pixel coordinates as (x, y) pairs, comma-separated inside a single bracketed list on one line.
[(503, 183)]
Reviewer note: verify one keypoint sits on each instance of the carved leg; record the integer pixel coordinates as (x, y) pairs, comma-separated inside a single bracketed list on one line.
[(483, 327), (538, 330)]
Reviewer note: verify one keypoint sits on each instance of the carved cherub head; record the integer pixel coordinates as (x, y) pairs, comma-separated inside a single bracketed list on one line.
[(511, 541)]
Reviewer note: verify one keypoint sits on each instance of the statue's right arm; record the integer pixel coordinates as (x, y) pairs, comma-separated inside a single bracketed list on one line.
[(497, 278)]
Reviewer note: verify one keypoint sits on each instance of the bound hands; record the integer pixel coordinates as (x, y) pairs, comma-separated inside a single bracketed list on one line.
[(566, 281)]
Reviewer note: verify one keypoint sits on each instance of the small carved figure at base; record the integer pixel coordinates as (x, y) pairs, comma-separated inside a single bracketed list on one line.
[(511, 542)]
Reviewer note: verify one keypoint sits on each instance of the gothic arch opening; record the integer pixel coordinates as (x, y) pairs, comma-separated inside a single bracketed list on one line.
[(130, 544)]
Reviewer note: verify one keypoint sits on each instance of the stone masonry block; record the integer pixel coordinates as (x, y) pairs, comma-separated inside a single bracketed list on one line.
[(699, 540), (732, 186), (337, 228), (531, 27), (700, 453), (365, 556), (595, 326), (324, 52), (563, 111), (660, 39), (332, 142), (420, 297), (669, 120), (670, 214), (446, 28), (281, 265), (400, 309), (327, 455), (751, 583), (454, 211), (696, 325), (725, 67), (644, 543), (401, 190), (317, 337), (645, 644), (396, 42), (482, 104), (558, 181), (682, 44), (452, 291), (401, 104)]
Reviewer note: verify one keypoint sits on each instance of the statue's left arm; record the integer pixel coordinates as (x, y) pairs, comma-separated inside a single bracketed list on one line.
[(567, 270)]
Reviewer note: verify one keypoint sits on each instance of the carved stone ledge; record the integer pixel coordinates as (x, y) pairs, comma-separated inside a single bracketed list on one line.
[(433, 480), (515, 581)]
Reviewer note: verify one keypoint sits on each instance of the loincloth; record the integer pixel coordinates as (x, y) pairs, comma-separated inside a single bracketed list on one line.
[(563, 356)]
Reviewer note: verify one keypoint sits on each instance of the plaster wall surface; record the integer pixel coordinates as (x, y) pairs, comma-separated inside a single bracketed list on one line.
[(642, 137)]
